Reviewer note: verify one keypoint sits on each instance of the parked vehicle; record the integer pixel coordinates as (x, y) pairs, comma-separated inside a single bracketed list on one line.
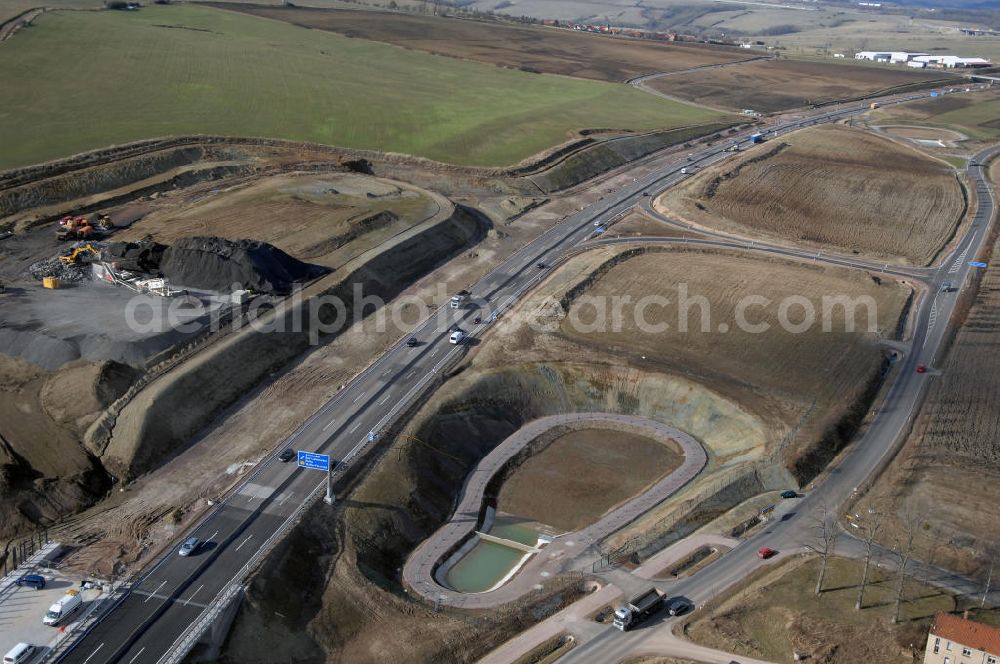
[(638, 609), (19, 654), (189, 547), (766, 553), (287, 455), (946, 287), (36, 581), (789, 494), (64, 608)]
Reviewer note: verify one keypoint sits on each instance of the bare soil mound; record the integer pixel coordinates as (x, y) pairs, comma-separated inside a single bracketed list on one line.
[(216, 264), (830, 187)]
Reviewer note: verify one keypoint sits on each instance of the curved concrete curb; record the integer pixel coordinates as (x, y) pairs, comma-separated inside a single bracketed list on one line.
[(418, 572)]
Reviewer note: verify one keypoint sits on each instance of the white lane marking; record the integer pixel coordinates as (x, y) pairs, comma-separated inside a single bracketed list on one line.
[(93, 653), (330, 424), (153, 593), (287, 496), (357, 398), (212, 536), (249, 537), (193, 594), (411, 374), (137, 655), (355, 427), (385, 398), (387, 371)]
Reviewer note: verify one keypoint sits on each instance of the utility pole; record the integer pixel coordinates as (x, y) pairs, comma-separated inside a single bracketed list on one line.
[(329, 483)]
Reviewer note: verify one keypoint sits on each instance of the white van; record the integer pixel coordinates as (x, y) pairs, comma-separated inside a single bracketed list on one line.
[(64, 608), (457, 336), (19, 654)]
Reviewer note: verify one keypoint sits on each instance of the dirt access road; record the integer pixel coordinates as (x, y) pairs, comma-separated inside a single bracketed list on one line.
[(560, 555)]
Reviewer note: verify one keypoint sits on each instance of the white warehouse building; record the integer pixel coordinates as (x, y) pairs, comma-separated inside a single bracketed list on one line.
[(892, 57), (947, 61)]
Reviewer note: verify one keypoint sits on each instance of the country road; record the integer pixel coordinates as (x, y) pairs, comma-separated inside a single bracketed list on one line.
[(158, 617)]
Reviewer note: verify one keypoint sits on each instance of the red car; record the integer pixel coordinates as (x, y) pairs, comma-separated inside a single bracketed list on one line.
[(921, 368), (766, 553)]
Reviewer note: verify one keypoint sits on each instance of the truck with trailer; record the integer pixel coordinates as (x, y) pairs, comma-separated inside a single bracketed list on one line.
[(757, 138), (64, 608), (638, 609)]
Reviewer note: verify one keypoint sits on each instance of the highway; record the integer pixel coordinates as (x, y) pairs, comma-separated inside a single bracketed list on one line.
[(148, 622), (858, 465)]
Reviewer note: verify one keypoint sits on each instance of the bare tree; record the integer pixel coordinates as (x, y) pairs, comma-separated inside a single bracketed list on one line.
[(826, 538), (872, 525), (904, 546)]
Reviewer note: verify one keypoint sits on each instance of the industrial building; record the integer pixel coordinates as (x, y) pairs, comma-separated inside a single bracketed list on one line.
[(947, 62), (921, 60), (892, 57)]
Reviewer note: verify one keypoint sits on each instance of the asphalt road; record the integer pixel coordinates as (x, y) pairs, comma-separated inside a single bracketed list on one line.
[(861, 462), (168, 597)]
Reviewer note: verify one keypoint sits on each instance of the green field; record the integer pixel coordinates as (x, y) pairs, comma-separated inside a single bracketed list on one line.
[(83, 80)]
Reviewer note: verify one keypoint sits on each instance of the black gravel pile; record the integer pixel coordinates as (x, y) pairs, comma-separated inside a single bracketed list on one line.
[(142, 257), (212, 263), (53, 267)]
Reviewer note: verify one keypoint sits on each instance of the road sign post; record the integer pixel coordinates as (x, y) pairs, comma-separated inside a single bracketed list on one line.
[(319, 462)]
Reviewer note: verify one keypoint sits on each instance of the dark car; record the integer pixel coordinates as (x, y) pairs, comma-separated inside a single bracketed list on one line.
[(789, 494), (678, 606), (921, 368), (412, 342), (36, 581), (286, 455), (540, 265)]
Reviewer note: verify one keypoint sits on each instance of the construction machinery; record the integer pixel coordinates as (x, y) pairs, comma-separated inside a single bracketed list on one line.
[(78, 253), (74, 228)]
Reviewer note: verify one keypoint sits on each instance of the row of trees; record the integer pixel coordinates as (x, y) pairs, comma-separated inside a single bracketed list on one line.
[(870, 523)]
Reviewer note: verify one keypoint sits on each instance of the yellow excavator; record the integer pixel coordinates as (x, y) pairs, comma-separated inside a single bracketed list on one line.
[(78, 253)]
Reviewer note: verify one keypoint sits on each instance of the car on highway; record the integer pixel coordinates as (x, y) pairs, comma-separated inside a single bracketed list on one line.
[(946, 287), (921, 368), (766, 553), (189, 547), (457, 336), (789, 494), (684, 171), (36, 581), (411, 342), (540, 265), (286, 455)]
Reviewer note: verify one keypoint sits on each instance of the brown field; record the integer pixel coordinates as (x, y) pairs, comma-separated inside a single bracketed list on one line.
[(769, 86), (809, 378), (582, 474), (957, 431), (833, 188), (326, 219), (549, 50), (925, 133), (778, 612)]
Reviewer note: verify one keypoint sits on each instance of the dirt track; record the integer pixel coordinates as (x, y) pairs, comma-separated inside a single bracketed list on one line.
[(419, 571)]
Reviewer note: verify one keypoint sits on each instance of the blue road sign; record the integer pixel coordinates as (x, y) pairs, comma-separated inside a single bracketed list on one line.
[(598, 230), (314, 461), (977, 264)]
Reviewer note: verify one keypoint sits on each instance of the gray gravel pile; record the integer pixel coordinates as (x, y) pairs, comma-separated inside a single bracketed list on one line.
[(53, 267)]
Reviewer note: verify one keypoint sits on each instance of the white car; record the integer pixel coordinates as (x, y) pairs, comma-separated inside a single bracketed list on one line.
[(457, 336)]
